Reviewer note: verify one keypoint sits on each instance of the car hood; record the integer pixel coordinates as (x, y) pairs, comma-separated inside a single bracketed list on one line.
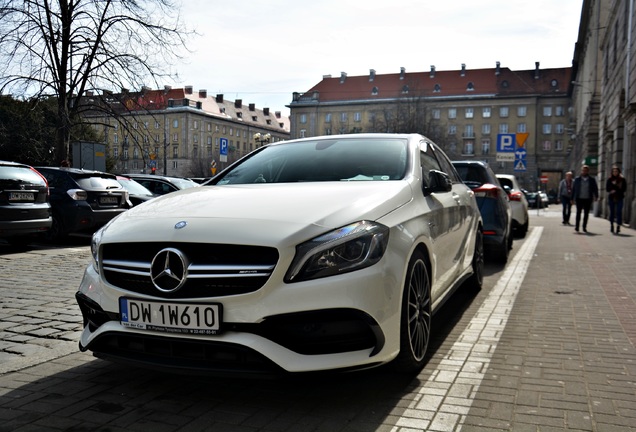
[(257, 214)]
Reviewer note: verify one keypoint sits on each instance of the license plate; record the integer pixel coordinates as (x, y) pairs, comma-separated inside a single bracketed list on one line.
[(190, 318), (108, 200), (21, 196)]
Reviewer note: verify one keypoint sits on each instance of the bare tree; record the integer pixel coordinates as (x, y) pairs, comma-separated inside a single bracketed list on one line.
[(66, 48)]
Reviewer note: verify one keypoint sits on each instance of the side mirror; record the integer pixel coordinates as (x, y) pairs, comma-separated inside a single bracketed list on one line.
[(438, 182)]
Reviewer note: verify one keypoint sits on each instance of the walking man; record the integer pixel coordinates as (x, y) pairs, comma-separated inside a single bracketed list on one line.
[(584, 193), (565, 195)]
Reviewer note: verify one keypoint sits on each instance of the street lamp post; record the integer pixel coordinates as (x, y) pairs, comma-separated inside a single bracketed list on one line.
[(262, 138)]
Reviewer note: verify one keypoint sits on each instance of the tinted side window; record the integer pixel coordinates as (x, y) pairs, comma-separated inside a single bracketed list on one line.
[(447, 166), (429, 162)]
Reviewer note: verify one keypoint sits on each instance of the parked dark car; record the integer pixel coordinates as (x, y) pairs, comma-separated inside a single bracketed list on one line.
[(542, 202), (137, 192), (494, 206), (24, 203), (162, 185), (82, 201)]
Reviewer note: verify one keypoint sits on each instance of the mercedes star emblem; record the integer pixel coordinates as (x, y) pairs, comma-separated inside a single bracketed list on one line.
[(169, 270)]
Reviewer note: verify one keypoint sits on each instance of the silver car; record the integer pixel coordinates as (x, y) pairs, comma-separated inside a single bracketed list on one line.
[(518, 203)]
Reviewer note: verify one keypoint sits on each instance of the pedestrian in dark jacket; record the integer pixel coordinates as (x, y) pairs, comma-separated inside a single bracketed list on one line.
[(584, 193), (616, 187)]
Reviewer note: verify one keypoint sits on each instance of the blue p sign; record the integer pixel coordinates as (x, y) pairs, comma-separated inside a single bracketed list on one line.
[(506, 143)]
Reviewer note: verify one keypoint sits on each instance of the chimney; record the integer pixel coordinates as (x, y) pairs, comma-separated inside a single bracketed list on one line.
[(219, 98), (343, 77), (167, 88), (498, 69), (252, 107), (371, 74), (188, 90), (402, 72), (432, 71), (266, 111), (203, 94), (536, 70), (326, 76), (463, 69), (238, 103)]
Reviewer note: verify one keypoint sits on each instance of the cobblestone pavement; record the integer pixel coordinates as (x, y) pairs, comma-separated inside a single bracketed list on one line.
[(547, 345)]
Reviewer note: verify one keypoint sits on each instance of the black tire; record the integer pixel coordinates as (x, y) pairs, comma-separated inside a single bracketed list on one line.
[(523, 230), (57, 231), (502, 251), (415, 321), (477, 279)]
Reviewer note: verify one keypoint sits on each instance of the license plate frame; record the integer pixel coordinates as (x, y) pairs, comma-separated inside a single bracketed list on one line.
[(21, 197), (109, 200), (171, 317)]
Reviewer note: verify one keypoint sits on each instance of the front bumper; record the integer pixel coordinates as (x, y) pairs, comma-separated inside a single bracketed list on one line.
[(343, 322)]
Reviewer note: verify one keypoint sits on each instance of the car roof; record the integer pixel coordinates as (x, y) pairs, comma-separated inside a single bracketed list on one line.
[(15, 164), (74, 170)]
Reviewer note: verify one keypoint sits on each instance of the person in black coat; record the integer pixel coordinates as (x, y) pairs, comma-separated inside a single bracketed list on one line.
[(584, 193), (616, 187)]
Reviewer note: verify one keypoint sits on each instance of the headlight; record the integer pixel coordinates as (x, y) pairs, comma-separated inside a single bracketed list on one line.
[(352, 247), (95, 243)]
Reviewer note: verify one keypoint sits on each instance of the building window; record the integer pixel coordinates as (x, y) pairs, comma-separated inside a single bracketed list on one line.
[(328, 118), (452, 129), (145, 125), (547, 111), (503, 128), (302, 133), (559, 128), (503, 112), (343, 117), (175, 137), (374, 91), (469, 148), (547, 128), (469, 113), (115, 139), (558, 145), (485, 112), (437, 114), (470, 86), (452, 113), (174, 164), (522, 111), (485, 129), (485, 146), (175, 152), (357, 117), (559, 111), (303, 118), (195, 151), (547, 145), (437, 88), (195, 138), (327, 131), (175, 123), (469, 131), (116, 152), (521, 128), (209, 150), (405, 89), (135, 153)]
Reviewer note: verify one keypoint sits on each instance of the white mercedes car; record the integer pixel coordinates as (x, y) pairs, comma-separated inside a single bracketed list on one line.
[(326, 253)]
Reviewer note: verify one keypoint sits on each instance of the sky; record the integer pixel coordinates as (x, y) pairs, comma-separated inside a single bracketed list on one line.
[(263, 51)]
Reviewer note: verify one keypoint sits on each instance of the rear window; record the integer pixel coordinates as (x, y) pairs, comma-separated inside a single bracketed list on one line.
[(505, 182), (96, 182), (20, 174), (472, 174)]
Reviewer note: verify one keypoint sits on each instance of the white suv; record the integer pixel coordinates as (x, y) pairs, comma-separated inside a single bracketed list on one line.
[(518, 203)]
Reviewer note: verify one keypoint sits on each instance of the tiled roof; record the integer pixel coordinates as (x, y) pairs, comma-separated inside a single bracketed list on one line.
[(443, 84)]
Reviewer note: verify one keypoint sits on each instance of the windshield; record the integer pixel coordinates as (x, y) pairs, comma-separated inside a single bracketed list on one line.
[(342, 159)]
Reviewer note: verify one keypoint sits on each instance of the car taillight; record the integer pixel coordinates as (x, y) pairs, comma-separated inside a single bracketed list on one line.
[(515, 196), (48, 192), (487, 190)]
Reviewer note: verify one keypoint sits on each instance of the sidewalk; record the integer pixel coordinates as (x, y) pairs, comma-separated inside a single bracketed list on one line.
[(567, 358)]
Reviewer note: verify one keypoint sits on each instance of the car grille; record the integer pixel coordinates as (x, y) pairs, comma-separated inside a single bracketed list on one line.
[(213, 269)]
